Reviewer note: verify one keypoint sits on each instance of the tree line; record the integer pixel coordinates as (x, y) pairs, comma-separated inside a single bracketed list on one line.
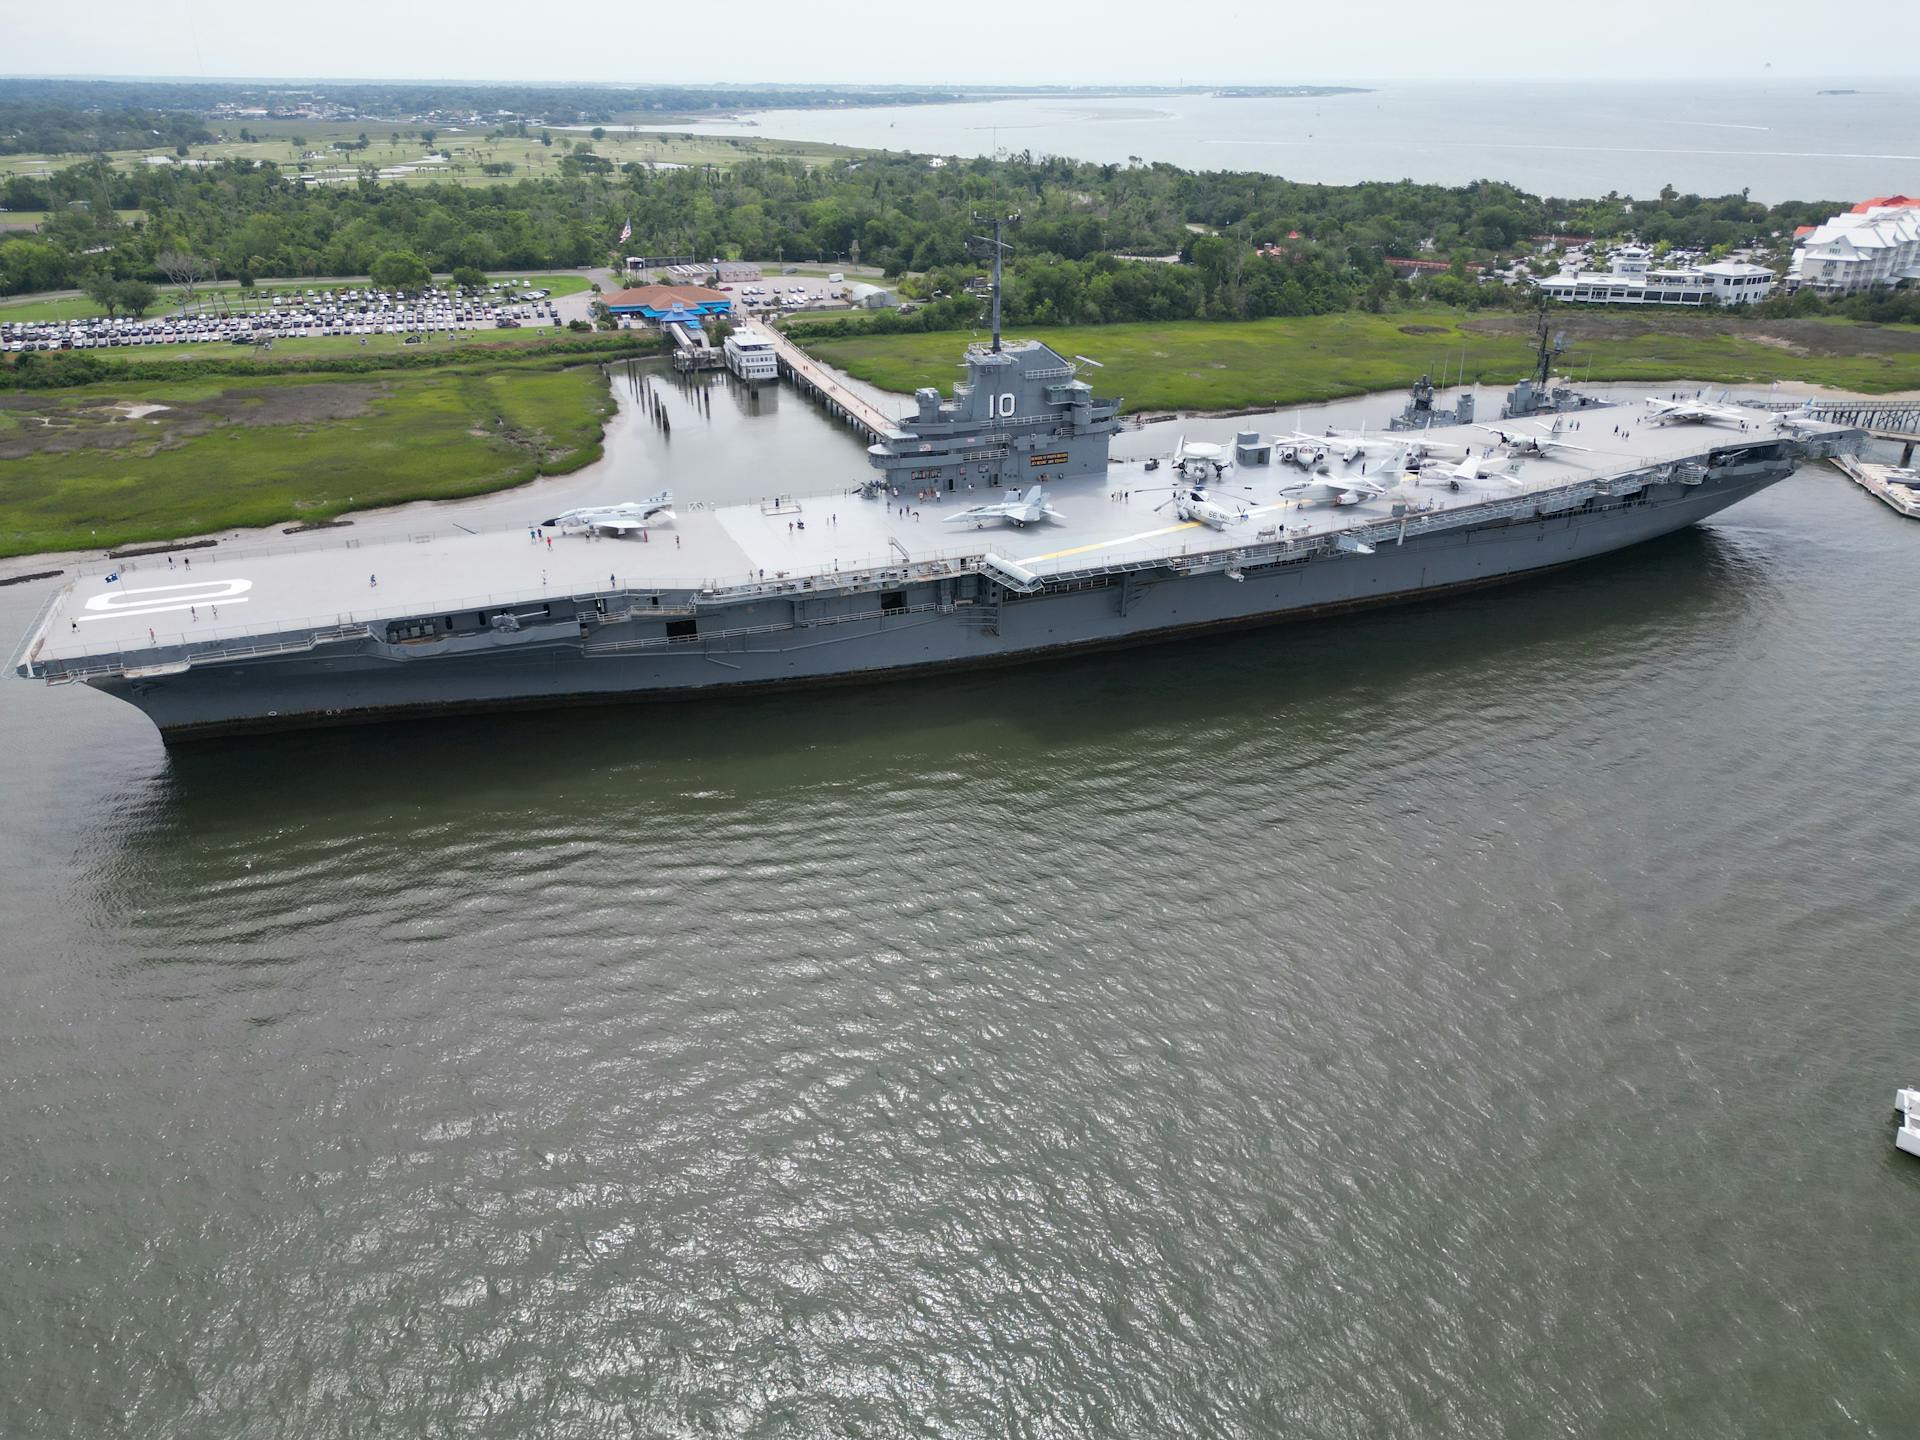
[(32, 128), (1082, 242), (403, 99)]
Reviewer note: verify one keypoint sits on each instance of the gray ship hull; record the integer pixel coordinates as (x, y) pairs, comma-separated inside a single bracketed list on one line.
[(930, 625)]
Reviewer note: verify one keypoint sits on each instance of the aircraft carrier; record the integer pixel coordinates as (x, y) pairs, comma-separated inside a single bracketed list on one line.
[(821, 583)]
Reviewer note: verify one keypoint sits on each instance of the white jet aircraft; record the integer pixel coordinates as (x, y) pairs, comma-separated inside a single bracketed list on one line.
[(615, 520), (1308, 451), (1474, 467), (1694, 412), (1018, 510), (1800, 421), (1350, 491)]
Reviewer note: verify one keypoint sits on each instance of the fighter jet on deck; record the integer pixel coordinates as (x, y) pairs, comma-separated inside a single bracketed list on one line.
[(624, 519), (1694, 412), (1018, 511)]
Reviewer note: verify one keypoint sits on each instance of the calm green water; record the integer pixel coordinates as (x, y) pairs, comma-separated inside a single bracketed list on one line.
[(1476, 1019)]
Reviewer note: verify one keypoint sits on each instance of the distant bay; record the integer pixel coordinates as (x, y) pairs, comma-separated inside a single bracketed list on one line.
[(1777, 139)]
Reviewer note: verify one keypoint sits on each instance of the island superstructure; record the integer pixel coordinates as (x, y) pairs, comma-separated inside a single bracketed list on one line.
[(1022, 416), (830, 582)]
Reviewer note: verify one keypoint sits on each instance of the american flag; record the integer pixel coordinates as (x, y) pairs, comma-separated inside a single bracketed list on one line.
[(626, 232)]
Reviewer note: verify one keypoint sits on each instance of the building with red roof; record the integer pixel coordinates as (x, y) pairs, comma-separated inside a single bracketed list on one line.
[(654, 302)]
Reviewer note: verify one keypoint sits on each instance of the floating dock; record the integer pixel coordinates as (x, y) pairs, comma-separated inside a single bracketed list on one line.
[(1893, 486), (692, 350)]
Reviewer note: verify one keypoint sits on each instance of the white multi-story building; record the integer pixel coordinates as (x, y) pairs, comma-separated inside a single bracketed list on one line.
[(1875, 243), (1631, 279), (750, 355)]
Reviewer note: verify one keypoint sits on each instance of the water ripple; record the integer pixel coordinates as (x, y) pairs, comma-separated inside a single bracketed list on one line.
[(1469, 1020)]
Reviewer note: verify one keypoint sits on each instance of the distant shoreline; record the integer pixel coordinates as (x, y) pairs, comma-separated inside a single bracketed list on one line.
[(1288, 92)]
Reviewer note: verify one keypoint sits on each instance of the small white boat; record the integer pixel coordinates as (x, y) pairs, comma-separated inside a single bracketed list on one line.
[(1906, 1104)]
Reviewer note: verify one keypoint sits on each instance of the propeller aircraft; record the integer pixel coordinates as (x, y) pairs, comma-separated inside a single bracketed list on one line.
[(1519, 442), (1200, 456)]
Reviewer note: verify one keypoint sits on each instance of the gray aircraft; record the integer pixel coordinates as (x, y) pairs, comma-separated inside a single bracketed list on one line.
[(1523, 442), (1350, 490), (1020, 511)]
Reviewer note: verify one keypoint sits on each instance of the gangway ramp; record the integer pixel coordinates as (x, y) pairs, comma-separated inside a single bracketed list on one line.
[(692, 349), (687, 339)]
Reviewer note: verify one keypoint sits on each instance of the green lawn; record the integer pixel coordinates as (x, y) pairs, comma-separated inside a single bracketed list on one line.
[(77, 472), (286, 354), (1197, 365), (19, 308), (558, 284), (333, 346)]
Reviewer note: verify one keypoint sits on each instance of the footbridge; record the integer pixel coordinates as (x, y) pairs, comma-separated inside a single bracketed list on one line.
[(825, 384), (1883, 419)]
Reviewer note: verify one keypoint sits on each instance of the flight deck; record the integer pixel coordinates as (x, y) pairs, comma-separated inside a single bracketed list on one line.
[(218, 599)]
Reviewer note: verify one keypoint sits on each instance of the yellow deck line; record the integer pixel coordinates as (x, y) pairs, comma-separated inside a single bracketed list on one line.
[(1104, 544), (1252, 510)]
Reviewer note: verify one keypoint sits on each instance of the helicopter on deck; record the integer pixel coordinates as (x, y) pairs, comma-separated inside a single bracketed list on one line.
[(1190, 501)]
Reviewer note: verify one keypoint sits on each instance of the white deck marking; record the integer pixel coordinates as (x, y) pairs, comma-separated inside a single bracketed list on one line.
[(160, 599)]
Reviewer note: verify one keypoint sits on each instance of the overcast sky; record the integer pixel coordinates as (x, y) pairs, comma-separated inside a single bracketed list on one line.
[(913, 41)]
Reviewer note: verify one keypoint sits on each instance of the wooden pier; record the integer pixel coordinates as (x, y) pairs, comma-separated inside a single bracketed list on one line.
[(824, 384)]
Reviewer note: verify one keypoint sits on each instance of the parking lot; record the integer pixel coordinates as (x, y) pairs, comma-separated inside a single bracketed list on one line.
[(785, 294), (775, 290), (361, 311)]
